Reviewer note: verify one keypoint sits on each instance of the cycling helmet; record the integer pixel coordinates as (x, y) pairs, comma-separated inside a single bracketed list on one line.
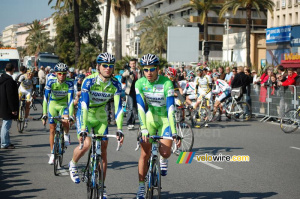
[(149, 59), (71, 70), (171, 72), (216, 74), (105, 58), (190, 76), (199, 68), (61, 67), (51, 70), (81, 76), (121, 72)]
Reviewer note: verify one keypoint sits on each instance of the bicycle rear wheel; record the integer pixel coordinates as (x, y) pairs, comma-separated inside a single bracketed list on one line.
[(56, 153), (290, 121), (241, 111), (156, 180), (62, 148), (36, 110), (200, 117), (185, 131), (21, 119)]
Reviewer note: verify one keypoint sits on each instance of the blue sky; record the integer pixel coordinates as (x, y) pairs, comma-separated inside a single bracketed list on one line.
[(23, 11)]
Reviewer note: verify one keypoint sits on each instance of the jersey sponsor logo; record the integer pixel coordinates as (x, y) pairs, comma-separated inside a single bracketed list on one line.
[(60, 93), (100, 94), (155, 99), (159, 87), (146, 88)]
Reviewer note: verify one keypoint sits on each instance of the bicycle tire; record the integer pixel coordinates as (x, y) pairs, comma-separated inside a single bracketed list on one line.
[(21, 120), (199, 116), (185, 131), (62, 147), (156, 180), (56, 153), (291, 119), (36, 110), (100, 179), (88, 174), (241, 116)]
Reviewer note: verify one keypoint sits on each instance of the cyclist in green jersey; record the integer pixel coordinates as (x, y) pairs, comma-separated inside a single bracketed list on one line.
[(158, 93), (58, 100), (97, 89)]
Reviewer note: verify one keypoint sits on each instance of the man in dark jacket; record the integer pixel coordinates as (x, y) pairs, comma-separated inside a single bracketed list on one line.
[(130, 76), (9, 104), (240, 79)]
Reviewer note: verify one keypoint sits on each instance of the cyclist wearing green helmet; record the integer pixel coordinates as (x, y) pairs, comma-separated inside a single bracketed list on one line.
[(158, 93)]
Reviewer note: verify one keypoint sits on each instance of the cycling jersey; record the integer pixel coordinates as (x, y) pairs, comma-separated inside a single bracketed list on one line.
[(182, 84), (26, 87), (203, 84), (190, 90), (159, 96), (223, 89), (59, 98), (50, 76), (91, 108)]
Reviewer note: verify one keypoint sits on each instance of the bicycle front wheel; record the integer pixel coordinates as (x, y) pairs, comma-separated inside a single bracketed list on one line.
[(290, 121), (56, 153), (21, 119), (99, 182), (62, 148), (155, 180), (241, 111), (185, 131), (200, 117)]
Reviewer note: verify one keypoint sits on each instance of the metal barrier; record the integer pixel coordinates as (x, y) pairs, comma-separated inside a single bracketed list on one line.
[(272, 102)]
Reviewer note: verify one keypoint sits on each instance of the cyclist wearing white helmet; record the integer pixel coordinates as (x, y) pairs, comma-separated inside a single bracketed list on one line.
[(58, 101), (190, 89), (203, 83), (158, 93), (51, 74), (97, 89), (71, 74), (222, 89)]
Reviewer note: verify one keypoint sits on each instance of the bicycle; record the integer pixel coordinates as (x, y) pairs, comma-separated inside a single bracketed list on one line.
[(93, 172), (21, 116), (153, 177), (59, 143), (201, 116), (238, 110), (290, 121)]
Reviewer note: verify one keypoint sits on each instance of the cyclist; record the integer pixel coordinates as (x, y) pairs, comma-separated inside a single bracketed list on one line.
[(222, 89), (158, 93), (97, 89), (190, 91), (71, 74), (51, 75), (203, 86), (26, 88), (58, 99)]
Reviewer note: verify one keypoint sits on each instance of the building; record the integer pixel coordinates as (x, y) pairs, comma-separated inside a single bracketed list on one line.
[(22, 33), (9, 37), (49, 27), (190, 18), (283, 34)]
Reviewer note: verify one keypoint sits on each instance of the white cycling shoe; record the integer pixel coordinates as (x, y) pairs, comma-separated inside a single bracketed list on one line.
[(141, 192), (51, 159), (67, 140), (74, 172)]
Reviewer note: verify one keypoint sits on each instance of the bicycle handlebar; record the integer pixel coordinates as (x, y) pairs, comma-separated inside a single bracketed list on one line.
[(93, 136)]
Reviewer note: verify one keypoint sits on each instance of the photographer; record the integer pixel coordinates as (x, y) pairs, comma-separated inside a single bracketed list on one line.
[(130, 76)]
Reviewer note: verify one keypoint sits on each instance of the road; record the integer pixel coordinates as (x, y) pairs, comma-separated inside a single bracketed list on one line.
[(271, 173)]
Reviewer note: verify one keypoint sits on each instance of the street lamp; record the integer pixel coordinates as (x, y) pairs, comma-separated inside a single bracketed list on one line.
[(226, 26), (137, 40)]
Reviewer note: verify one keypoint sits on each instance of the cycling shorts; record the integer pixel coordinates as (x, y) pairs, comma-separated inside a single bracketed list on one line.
[(202, 92), (223, 96), (27, 93), (97, 119), (57, 108), (158, 125)]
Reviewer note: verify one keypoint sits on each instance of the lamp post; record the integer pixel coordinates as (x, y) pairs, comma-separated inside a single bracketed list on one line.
[(226, 26), (137, 40)]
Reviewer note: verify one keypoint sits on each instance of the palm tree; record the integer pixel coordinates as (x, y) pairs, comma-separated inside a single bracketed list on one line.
[(107, 17), (154, 33), (88, 56), (37, 40), (259, 5), (121, 8), (69, 4), (203, 7)]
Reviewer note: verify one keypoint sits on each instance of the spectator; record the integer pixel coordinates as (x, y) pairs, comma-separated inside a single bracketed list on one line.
[(290, 78), (9, 104), (214, 70), (228, 74), (184, 74), (240, 79), (281, 71), (234, 72), (254, 76), (42, 80), (89, 71), (263, 89), (130, 76), (180, 74), (222, 74), (206, 70)]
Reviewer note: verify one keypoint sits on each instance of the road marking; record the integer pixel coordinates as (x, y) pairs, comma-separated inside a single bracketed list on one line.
[(294, 148), (62, 171), (208, 164)]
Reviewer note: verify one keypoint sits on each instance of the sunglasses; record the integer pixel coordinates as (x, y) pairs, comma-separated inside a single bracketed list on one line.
[(110, 65), (60, 74), (149, 69), (233, 71)]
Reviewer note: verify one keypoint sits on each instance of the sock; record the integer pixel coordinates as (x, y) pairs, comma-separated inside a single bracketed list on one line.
[(73, 162), (141, 183)]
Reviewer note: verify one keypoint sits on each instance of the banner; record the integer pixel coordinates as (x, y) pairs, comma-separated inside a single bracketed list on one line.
[(278, 34)]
